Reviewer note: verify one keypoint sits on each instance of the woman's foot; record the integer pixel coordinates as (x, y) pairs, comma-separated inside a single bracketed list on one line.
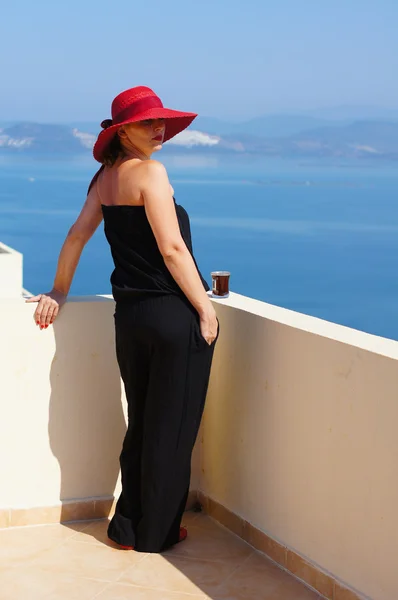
[(120, 545), (182, 537)]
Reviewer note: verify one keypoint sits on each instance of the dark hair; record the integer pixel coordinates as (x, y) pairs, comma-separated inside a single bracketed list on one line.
[(110, 156), (112, 152), (94, 179)]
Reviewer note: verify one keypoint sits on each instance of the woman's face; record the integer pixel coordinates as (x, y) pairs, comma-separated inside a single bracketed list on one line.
[(146, 136)]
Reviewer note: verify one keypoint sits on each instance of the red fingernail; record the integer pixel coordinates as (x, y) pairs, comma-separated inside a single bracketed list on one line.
[(37, 322), (46, 326)]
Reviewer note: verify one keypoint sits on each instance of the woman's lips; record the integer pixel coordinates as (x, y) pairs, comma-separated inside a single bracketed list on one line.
[(158, 138)]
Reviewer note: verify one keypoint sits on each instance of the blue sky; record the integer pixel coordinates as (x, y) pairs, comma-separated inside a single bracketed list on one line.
[(65, 61)]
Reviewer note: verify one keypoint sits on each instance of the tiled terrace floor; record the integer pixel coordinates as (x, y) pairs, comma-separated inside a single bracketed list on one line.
[(77, 562)]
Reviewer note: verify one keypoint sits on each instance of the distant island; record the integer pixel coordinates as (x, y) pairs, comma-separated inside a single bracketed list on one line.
[(377, 139)]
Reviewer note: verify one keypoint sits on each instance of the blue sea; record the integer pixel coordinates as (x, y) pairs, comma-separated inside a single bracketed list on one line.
[(316, 237)]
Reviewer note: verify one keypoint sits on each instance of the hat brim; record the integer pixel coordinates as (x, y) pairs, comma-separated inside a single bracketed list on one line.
[(175, 121)]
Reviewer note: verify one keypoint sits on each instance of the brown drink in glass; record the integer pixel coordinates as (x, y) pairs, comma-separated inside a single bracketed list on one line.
[(220, 286)]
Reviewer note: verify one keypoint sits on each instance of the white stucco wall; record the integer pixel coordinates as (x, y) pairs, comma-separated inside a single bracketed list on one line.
[(300, 439)]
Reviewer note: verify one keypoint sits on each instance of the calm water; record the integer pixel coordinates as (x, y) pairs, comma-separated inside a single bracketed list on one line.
[(315, 238)]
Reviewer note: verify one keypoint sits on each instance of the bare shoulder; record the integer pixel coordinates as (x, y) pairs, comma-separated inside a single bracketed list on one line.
[(154, 177), (153, 168), (150, 176)]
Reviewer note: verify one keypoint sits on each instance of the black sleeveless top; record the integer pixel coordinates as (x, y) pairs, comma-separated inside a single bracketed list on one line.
[(140, 270)]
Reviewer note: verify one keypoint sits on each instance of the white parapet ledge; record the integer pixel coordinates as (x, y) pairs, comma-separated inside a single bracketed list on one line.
[(314, 325), (290, 318)]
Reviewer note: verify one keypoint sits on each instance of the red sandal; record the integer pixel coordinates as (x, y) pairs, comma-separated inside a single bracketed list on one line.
[(183, 534), (182, 537)]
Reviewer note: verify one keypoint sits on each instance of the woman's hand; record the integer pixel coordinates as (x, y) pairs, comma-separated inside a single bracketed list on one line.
[(48, 308), (209, 325)]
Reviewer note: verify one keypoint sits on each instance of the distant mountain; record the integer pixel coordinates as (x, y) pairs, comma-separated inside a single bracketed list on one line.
[(378, 139), (266, 126), (363, 138), (352, 113), (381, 134), (38, 138)]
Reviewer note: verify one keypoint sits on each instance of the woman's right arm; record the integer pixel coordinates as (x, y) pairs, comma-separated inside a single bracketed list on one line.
[(160, 210)]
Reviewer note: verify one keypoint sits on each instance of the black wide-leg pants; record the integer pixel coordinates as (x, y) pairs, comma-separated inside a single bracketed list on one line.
[(165, 365)]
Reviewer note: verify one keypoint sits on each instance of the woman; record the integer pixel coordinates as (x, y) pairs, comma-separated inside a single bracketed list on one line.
[(166, 326)]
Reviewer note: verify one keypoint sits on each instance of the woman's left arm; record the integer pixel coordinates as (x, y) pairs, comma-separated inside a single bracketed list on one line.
[(49, 304)]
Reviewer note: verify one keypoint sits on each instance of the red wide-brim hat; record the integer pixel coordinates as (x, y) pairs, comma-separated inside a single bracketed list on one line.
[(138, 104)]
